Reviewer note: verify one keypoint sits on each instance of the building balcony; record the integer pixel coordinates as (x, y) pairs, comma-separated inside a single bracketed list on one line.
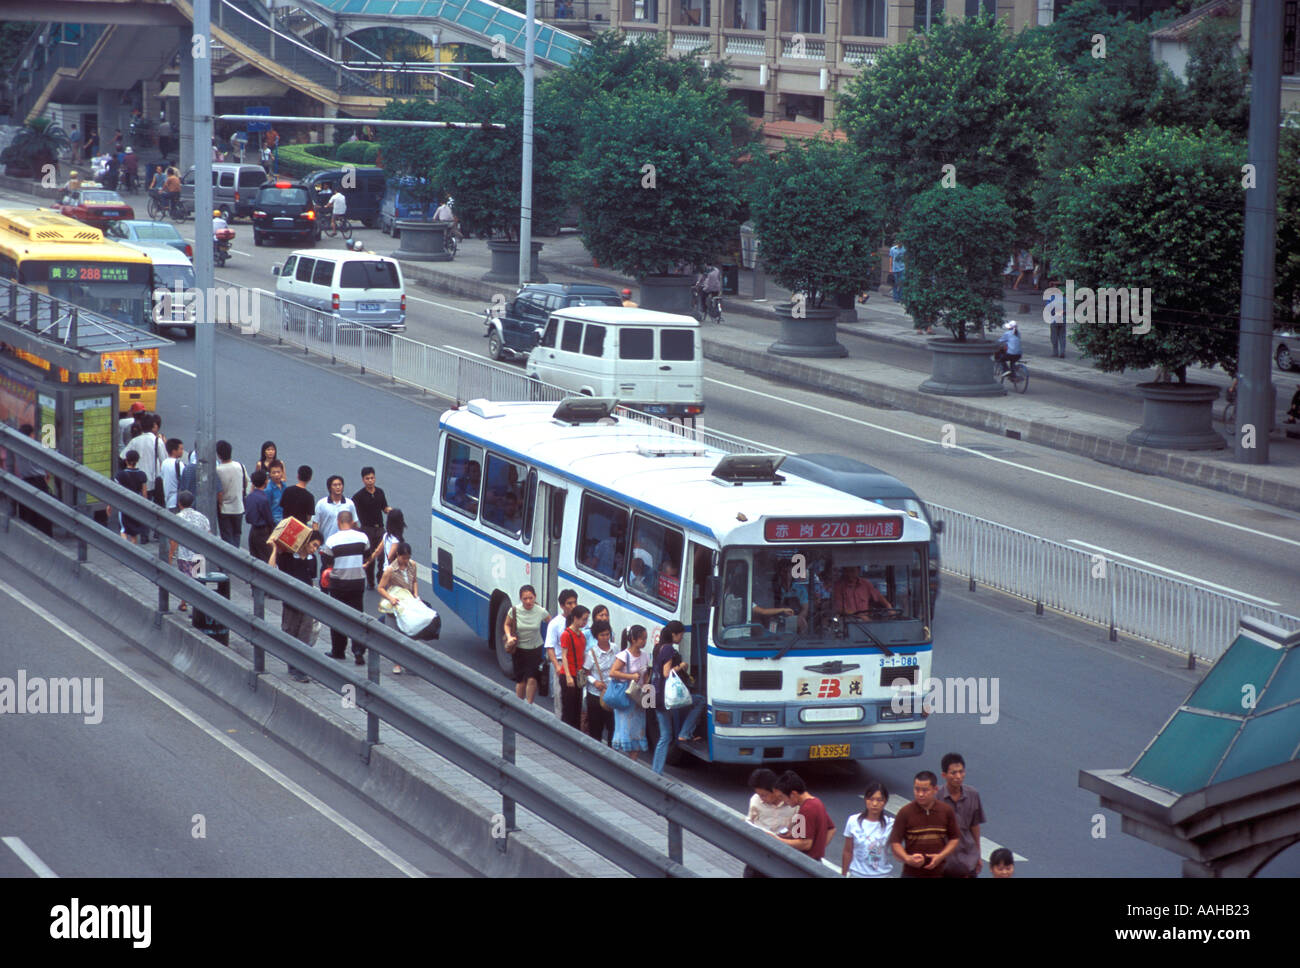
[(803, 47), (745, 43), (686, 41), (863, 51)]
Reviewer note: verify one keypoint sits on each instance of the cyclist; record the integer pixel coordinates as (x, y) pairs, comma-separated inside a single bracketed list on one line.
[(172, 190), (338, 206), (1008, 351), (445, 214), (709, 285)]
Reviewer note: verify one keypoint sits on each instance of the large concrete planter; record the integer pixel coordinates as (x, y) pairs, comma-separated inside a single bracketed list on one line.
[(422, 241), (666, 294), (814, 334), (847, 304), (962, 369), (1177, 416), (505, 263)]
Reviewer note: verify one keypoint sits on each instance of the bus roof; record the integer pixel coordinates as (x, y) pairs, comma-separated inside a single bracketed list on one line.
[(56, 236), (657, 471)]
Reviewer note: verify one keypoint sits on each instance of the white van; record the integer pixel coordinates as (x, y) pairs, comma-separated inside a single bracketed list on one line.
[(360, 287), (171, 268), (650, 361)]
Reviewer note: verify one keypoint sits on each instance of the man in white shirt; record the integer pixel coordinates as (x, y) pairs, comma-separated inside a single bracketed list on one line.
[(232, 481), (218, 223), (445, 214), (554, 629), (331, 506), (767, 808), (172, 469), (338, 206)]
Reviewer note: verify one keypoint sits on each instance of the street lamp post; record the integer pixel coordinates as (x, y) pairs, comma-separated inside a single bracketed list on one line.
[(526, 187)]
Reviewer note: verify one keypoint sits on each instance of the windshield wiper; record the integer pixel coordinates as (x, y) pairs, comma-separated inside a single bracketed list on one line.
[(869, 634)]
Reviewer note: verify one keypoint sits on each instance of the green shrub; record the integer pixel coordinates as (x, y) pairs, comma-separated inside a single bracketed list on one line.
[(371, 156), (352, 152), (299, 160), (320, 151)]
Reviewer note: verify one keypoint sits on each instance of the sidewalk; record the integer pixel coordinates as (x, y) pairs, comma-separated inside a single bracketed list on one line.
[(1037, 417)]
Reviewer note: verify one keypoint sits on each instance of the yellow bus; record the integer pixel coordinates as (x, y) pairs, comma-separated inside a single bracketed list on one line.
[(69, 260)]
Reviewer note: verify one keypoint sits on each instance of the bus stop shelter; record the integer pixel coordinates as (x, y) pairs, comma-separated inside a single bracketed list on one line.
[(1220, 783)]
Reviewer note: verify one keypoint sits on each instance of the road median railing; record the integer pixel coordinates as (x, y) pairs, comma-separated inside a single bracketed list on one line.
[(683, 809)]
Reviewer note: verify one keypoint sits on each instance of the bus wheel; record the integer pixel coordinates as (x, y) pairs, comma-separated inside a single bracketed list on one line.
[(497, 639)]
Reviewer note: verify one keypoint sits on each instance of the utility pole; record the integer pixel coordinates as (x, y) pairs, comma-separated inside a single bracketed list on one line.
[(205, 337), (1256, 401), (526, 188)]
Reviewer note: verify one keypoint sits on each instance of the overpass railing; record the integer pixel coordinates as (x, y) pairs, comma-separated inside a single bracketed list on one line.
[(683, 808)]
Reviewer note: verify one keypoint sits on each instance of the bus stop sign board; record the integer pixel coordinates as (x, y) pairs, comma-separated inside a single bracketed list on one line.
[(256, 126)]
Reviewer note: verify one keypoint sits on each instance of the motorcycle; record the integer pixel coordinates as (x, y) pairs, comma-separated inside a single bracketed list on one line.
[(221, 246)]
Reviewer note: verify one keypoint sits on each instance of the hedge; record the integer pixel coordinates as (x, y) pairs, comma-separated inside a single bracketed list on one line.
[(302, 160)]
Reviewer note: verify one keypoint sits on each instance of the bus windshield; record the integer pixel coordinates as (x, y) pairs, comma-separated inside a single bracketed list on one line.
[(803, 596), (126, 302)]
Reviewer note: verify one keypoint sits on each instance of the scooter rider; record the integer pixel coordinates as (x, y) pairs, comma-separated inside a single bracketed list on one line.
[(218, 223)]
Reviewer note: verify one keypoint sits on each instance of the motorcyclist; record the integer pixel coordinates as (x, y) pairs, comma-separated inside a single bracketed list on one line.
[(218, 223), (1008, 351), (709, 286), (445, 214)]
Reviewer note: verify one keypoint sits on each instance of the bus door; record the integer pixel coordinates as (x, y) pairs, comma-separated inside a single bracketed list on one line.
[(700, 565), (550, 502)]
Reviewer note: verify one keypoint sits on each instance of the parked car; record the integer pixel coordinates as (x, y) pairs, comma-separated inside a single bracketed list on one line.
[(151, 233), (234, 188), (359, 287), (872, 484), (94, 206), (284, 210), (1286, 347), (514, 330), (399, 203), (364, 197)]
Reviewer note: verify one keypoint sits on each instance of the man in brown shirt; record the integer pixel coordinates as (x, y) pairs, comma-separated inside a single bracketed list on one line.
[(925, 831)]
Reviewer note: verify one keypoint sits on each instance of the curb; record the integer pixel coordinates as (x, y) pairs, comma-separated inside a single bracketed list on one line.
[(1176, 466), (389, 782)]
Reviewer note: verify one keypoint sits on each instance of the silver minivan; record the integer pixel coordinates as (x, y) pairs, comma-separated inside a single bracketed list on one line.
[(356, 287), (650, 361)]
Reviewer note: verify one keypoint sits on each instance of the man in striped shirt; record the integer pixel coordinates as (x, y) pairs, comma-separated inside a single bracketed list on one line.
[(345, 551), (925, 831)]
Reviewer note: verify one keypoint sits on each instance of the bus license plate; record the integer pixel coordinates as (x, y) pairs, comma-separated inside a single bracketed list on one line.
[(368, 307), (834, 751)]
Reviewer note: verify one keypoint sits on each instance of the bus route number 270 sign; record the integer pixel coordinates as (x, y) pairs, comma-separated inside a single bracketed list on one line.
[(833, 529)]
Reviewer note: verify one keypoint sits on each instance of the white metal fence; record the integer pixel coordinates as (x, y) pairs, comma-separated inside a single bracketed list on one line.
[(1127, 600)]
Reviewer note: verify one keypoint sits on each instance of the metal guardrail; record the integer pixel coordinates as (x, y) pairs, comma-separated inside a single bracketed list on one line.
[(682, 807), (1176, 614)]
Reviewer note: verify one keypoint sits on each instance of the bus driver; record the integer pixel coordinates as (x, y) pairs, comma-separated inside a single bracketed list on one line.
[(855, 596)]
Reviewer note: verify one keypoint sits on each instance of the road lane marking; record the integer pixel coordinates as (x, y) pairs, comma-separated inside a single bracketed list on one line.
[(457, 309), (1170, 571), (28, 857), (178, 369), (1010, 463), (324, 809), (384, 453)]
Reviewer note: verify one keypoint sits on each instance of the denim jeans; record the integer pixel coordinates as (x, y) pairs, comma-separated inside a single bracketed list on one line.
[(897, 291), (687, 718)]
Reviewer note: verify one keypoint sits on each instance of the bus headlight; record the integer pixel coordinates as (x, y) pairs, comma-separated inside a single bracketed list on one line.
[(760, 717)]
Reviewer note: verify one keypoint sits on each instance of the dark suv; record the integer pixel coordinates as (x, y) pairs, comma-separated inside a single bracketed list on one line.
[(284, 210), (513, 332)]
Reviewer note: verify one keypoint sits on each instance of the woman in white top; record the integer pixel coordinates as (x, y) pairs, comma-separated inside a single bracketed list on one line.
[(866, 837), (599, 663), (394, 534), (631, 665), (399, 574)]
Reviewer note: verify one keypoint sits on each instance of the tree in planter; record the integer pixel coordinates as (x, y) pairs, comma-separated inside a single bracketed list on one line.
[(818, 216), (405, 150), (687, 206), (1163, 213), (36, 145), (957, 240)]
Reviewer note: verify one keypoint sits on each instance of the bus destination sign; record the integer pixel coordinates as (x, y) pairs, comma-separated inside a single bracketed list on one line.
[(89, 272), (833, 529)]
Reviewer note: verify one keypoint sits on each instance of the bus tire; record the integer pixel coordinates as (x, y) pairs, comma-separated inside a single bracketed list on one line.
[(496, 638)]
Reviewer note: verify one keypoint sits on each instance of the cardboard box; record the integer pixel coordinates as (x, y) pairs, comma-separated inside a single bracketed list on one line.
[(290, 535)]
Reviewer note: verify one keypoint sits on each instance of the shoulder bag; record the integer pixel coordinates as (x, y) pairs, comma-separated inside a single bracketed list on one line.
[(615, 697), (571, 660), (510, 649)]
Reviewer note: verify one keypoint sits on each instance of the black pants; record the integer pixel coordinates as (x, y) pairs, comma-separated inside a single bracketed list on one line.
[(231, 526), (257, 546), (570, 703), (373, 534), (599, 720), (351, 593)]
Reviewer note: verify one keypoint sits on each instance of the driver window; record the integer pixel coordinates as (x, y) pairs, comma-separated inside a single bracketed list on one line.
[(735, 594), (548, 338)]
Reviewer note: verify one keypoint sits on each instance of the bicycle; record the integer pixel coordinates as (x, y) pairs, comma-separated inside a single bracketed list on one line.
[(339, 225), (1017, 373), (712, 306), (162, 205)]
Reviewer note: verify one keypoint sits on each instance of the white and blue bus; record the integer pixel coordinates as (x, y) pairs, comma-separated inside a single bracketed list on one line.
[(806, 608)]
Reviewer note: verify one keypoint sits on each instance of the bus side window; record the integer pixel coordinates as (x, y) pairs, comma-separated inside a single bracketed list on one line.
[(503, 499), (602, 537), (655, 566), (461, 476)]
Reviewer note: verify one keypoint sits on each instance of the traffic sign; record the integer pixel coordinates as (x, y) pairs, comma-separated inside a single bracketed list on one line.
[(256, 126)]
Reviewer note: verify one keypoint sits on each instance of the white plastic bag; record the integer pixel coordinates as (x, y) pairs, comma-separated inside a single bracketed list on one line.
[(675, 692), (413, 616)]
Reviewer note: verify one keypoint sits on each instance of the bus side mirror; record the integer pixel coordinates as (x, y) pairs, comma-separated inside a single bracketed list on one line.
[(938, 527)]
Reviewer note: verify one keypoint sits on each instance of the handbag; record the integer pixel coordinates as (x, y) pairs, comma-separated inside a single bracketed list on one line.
[(615, 698), (675, 692), (413, 616)]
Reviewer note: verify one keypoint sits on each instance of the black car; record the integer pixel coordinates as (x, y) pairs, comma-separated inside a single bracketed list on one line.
[(285, 210), (513, 330)]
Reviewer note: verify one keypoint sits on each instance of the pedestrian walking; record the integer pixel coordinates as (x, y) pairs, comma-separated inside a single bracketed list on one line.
[(400, 575), (598, 664), (232, 485), (965, 802), (268, 454), (1025, 263), (182, 557), (257, 512), (345, 549), (811, 829), (134, 480), (74, 140), (331, 506), (275, 486), (130, 168), (173, 472), (573, 647), (1055, 313), (672, 722), (297, 501), (866, 837), (35, 475), (925, 831), (897, 268), (371, 504), (1002, 863), (394, 534), (629, 669), (522, 632), (126, 425), (767, 808), (568, 600), (117, 141), (301, 565)]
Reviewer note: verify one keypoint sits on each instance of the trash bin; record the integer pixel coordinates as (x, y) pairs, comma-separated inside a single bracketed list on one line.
[(730, 280), (205, 623)]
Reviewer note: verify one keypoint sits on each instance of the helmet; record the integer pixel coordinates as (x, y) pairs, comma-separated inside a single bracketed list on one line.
[(216, 213), (74, 174), (627, 292), (1009, 324)]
